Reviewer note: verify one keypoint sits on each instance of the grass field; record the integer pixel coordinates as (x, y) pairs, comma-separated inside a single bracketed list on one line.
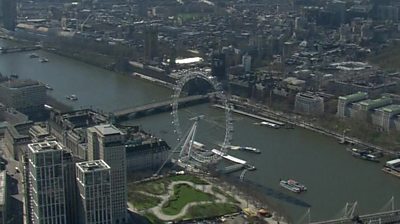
[(157, 187), (189, 178), (211, 210), (184, 194), (141, 201)]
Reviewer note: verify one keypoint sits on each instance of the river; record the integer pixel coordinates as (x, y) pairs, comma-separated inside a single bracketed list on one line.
[(331, 174)]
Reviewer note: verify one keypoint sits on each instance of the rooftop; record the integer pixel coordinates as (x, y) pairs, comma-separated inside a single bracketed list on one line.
[(90, 166), (294, 81), (380, 102), (189, 60), (355, 97), (107, 129), (308, 95), (81, 118), (38, 130), (394, 109), (45, 146)]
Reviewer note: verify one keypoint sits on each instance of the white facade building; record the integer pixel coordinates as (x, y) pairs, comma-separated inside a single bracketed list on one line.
[(246, 62), (94, 184), (46, 180)]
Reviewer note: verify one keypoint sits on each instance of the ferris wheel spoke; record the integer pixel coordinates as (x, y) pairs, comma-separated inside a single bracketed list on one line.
[(186, 151)]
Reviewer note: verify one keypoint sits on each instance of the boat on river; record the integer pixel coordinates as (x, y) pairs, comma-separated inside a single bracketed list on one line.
[(242, 148), (268, 124), (249, 149), (33, 55), (48, 87), (14, 76), (289, 187), (364, 154), (44, 60), (392, 167), (72, 97), (293, 186)]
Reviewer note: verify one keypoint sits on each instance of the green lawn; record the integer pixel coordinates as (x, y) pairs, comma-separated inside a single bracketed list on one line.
[(189, 16), (189, 178), (141, 201), (157, 187), (211, 210), (184, 194)]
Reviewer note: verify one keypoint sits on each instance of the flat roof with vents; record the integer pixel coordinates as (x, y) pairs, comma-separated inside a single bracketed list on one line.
[(90, 166), (108, 129), (45, 146)]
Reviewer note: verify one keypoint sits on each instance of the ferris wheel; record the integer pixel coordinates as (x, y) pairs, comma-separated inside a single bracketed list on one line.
[(187, 151)]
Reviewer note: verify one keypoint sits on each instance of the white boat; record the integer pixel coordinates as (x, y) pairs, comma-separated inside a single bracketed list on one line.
[(43, 60), (297, 184), (72, 97), (198, 145), (243, 148), (33, 55), (48, 87), (293, 185), (269, 124), (289, 187), (250, 149)]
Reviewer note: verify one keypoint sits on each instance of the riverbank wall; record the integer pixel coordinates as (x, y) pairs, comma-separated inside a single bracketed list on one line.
[(263, 111)]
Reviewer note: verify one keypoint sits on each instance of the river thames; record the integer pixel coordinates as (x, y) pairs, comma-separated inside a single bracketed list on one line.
[(332, 176)]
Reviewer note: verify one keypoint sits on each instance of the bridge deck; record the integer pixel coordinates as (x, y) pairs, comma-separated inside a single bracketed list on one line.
[(133, 110), (381, 217), (5, 50)]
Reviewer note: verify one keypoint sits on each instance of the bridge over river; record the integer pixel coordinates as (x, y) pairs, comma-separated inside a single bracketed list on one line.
[(7, 50), (159, 107), (388, 217)]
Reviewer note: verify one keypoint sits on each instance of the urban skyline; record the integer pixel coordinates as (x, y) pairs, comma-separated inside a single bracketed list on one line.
[(229, 111)]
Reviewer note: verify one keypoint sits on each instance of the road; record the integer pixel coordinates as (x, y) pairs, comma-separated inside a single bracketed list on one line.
[(15, 189)]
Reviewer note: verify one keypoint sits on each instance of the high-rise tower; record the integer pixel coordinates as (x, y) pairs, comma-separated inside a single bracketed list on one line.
[(106, 142), (94, 184), (46, 180), (9, 14), (150, 42)]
